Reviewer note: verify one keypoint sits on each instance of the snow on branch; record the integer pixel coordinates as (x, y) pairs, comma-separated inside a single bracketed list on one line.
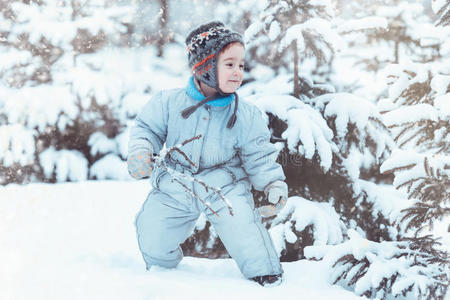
[(366, 23), (411, 166), (355, 119), (109, 167), (418, 107), (307, 131), (25, 106), (300, 213), (318, 26), (66, 165), (57, 24), (88, 83), (11, 59), (426, 178), (16, 145), (101, 144), (410, 114), (376, 270)]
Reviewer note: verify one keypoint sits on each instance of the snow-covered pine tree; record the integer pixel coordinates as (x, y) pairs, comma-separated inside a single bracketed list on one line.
[(288, 28), (416, 265), (400, 30), (418, 112), (420, 100), (59, 107), (407, 25)]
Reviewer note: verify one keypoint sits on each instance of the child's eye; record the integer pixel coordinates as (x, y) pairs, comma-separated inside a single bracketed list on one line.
[(241, 67), (229, 65)]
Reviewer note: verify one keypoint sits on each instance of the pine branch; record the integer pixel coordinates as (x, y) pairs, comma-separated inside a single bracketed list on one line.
[(418, 260), (403, 131), (422, 215), (409, 184), (379, 124), (444, 15), (416, 91), (407, 167), (418, 190), (418, 130)]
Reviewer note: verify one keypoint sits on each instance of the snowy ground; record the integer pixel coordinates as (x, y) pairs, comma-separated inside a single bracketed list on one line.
[(77, 241)]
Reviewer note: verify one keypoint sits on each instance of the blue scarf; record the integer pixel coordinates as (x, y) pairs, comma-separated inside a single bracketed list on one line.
[(195, 94)]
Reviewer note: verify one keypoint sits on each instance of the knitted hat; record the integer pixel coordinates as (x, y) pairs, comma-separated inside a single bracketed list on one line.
[(203, 45)]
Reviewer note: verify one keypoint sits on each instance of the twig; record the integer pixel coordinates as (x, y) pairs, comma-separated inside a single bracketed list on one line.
[(219, 192), (178, 176), (195, 195), (185, 157), (177, 148)]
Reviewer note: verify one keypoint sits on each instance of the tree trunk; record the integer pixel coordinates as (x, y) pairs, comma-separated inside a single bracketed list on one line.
[(296, 79), (163, 32), (397, 45)]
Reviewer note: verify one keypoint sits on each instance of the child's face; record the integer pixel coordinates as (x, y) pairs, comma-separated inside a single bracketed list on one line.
[(230, 68)]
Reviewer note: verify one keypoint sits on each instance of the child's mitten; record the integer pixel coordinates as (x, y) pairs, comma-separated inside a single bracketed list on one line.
[(140, 162), (276, 191)]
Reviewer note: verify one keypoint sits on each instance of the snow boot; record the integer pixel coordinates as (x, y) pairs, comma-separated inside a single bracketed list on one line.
[(268, 280)]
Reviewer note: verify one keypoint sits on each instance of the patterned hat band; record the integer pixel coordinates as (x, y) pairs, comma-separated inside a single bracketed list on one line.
[(212, 32)]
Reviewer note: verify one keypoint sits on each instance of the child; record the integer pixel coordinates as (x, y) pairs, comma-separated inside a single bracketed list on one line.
[(232, 154)]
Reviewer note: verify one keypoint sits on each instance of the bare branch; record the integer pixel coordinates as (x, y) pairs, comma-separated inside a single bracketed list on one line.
[(195, 195), (178, 176)]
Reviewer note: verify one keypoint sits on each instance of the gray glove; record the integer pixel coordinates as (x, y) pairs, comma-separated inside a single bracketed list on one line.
[(276, 191), (140, 161)]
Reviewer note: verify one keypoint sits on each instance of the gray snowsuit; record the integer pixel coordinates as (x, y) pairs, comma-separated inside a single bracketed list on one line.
[(231, 159)]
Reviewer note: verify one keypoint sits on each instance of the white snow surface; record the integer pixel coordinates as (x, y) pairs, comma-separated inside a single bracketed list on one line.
[(77, 241)]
